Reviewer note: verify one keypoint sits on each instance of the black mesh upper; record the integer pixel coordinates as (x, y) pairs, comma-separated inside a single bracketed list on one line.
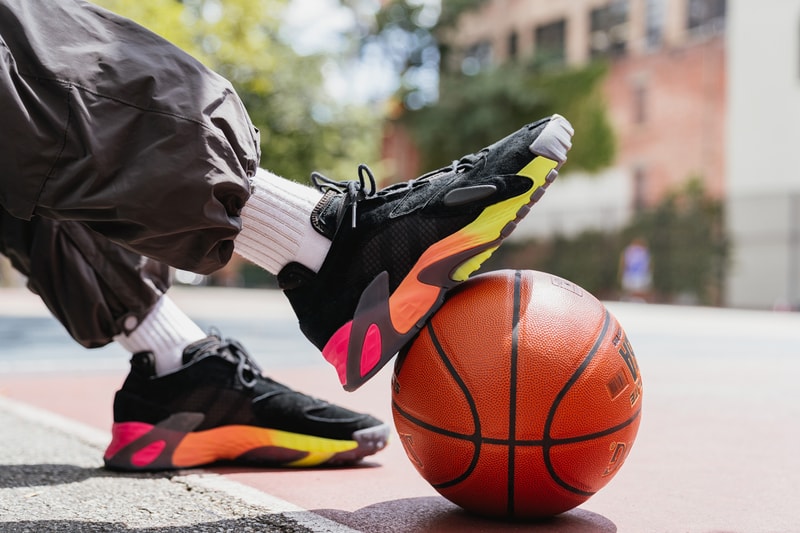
[(210, 384)]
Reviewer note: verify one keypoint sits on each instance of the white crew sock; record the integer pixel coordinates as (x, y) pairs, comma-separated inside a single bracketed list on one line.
[(165, 332), (276, 225)]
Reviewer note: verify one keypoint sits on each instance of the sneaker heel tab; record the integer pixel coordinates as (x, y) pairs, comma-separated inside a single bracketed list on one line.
[(322, 213), (143, 363), (198, 349), (294, 275)]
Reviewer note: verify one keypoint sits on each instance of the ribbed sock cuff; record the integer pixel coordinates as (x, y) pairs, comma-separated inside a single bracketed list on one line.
[(165, 332), (276, 225)]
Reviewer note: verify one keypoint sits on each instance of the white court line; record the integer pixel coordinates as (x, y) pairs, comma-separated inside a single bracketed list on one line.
[(87, 434), (204, 480)]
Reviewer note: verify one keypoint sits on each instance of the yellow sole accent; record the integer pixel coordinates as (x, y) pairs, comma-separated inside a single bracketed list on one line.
[(495, 217), (474, 263), (413, 298), (538, 169)]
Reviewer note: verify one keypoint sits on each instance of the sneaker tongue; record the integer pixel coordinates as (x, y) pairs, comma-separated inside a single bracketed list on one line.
[(202, 348)]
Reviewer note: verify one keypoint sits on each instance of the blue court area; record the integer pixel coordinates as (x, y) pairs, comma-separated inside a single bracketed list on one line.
[(32, 340)]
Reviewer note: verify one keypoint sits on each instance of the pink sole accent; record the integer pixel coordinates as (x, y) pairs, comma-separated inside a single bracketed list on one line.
[(124, 433), (148, 454), (370, 350), (335, 351)]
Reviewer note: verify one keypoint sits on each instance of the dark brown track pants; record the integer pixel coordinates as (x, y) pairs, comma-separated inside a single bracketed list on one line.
[(119, 155)]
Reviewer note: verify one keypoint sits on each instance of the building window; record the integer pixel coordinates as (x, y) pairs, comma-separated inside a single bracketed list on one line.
[(639, 189), (513, 45), (609, 30), (654, 19), (639, 102), (550, 43), (706, 16), (478, 57)]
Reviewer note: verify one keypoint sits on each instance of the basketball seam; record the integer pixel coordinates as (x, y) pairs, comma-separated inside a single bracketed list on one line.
[(512, 417), (475, 438), (548, 441)]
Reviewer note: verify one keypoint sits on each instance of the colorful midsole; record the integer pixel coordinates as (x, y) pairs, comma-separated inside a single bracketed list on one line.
[(224, 443)]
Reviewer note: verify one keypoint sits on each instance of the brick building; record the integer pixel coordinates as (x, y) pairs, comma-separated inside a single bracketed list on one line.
[(696, 88), (665, 87)]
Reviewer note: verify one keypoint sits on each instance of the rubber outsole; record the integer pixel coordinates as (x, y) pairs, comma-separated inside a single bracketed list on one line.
[(136, 446)]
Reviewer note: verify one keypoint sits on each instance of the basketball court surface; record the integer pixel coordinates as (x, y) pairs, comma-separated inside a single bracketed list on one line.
[(716, 450)]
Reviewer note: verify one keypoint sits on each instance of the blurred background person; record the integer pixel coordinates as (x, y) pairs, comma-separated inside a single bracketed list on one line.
[(636, 273)]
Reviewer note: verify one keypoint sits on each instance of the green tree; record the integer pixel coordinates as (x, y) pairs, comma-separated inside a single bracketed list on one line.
[(302, 129), (461, 112), (684, 232), (474, 111), (588, 259), (689, 249)]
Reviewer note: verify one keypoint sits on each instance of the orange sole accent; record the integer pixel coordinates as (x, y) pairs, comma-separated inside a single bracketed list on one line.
[(413, 299), (230, 442)]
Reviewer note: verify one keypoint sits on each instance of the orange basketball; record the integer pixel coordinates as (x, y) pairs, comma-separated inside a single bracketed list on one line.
[(521, 397)]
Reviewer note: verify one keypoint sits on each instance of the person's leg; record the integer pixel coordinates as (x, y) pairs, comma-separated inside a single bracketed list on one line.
[(160, 157), (165, 332), (118, 145)]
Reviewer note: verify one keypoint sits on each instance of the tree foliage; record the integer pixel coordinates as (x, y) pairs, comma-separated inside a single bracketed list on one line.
[(474, 111), (462, 113), (302, 129), (684, 233), (452, 9)]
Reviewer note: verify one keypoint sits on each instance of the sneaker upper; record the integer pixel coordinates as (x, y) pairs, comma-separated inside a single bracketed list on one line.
[(222, 383), (380, 241), (379, 236)]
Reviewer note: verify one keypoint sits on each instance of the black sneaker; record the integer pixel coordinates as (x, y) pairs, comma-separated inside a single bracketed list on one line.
[(396, 251), (218, 407)]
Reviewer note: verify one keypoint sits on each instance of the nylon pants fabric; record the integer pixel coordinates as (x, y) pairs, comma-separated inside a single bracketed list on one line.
[(116, 146), (94, 287)]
